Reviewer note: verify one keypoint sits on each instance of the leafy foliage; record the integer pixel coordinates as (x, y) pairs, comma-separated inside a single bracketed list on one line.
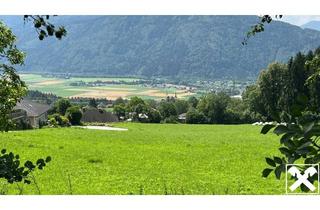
[(259, 27), (56, 120), (62, 105), (214, 106), (74, 115), (11, 91), (282, 88), (299, 141), (11, 87), (44, 28), (193, 116), (12, 171), (298, 123)]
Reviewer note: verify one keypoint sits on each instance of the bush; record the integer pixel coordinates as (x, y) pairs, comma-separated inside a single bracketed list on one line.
[(120, 111), (181, 106), (193, 116), (74, 115), (154, 116), (171, 119), (167, 110), (22, 125), (53, 122), (62, 105), (60, 120)]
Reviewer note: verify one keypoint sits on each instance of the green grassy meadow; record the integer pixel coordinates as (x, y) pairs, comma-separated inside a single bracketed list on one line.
[(148, 159)]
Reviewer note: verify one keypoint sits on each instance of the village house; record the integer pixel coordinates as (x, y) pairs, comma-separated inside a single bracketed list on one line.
[(31, 113)]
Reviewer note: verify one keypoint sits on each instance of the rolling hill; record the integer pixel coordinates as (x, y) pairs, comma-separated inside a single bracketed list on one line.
[(207, 47)]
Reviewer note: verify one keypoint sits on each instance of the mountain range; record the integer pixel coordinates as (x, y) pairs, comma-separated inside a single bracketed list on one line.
[(315, 25), (197, 47)]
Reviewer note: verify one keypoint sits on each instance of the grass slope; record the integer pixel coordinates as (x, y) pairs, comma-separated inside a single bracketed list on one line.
[(148, 159)]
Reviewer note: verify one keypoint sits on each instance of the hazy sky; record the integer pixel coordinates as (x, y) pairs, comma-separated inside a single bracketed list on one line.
[(300, 20)]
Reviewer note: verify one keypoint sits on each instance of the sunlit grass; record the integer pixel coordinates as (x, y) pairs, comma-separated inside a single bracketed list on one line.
[(149, 158)]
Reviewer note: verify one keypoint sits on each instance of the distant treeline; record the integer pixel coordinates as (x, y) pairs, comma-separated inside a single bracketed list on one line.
[(211, 108), (113, 82), (49, 98), (40, 97)]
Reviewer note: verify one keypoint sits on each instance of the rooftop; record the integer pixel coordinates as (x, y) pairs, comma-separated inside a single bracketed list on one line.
[(33, 109)]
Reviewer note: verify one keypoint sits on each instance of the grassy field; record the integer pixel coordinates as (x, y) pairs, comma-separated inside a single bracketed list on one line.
[(148, 159), (62, 87)]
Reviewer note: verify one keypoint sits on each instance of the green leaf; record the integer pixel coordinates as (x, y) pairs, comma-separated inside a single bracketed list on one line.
[(271, 162), (307, 144), (266, 128), (266, 172), (285, 151), (3, 151), (48, 159), (308, 127), (290, 144), (280, 129), (27, 181), (305, 150), (277, 160), (277, 172), (286, 137), (40, 161)]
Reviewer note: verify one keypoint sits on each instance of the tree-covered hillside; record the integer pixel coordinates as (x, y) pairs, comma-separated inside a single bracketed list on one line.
[(172, 46)]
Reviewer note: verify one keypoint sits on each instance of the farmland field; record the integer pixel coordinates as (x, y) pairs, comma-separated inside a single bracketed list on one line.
[(148, 159), (62, 87)]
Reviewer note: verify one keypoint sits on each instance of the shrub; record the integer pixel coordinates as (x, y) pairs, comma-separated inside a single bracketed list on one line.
[(22, 125), (154, 116), (181, 106), (60, 120), (120, 111), (74, 114), (62, 105), (53, 122), (171, 119), (167, 110), (193, 116)]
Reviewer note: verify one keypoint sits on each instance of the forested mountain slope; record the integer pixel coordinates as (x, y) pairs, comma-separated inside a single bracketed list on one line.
[(206, 47)]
